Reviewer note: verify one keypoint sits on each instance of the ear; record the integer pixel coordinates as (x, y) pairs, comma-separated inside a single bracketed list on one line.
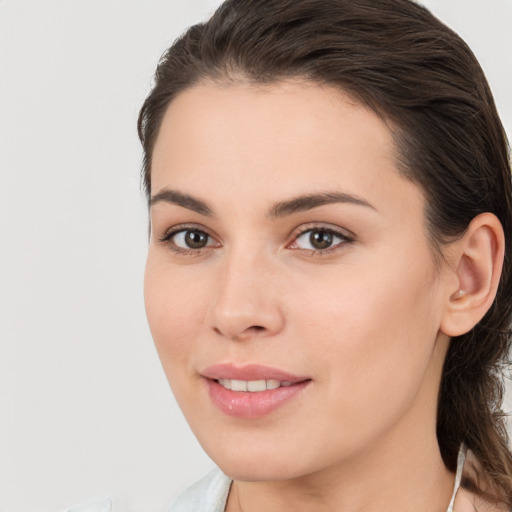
[(476, 261)]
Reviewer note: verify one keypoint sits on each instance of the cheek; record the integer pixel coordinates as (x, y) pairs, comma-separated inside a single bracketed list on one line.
[(374, 329), (174, 311)]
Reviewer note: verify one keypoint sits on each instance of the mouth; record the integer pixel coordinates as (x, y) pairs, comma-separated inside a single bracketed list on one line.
[(251, 391), (253, 386)]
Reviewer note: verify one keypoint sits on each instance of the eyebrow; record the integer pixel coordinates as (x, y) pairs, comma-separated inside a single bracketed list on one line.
[(310, 201), (280, 209), (184, 200)]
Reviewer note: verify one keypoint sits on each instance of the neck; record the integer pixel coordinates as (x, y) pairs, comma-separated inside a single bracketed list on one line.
[(422, 484), (397, 474)]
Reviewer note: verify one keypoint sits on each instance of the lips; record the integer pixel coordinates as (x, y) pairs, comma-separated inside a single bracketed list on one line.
[(249, 372), (251, 391)]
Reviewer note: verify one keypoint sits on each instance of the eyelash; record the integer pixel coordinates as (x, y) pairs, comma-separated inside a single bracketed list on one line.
[(346, 239), (167, 239)]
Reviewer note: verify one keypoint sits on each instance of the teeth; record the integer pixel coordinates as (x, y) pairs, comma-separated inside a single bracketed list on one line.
[(225, 383), (256, 385), (252, 385), (273, 384), (239, 385)]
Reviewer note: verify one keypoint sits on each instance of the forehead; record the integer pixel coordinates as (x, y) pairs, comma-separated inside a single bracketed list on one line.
[(296, 137), (215, 113)]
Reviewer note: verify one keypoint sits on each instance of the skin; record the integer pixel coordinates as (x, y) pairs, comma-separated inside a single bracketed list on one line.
[(362, 319)]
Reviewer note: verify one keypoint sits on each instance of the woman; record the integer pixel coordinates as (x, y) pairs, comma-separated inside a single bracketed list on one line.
[(328, 281)]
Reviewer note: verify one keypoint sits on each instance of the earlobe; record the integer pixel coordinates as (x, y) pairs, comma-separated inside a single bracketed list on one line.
[(477, 260)]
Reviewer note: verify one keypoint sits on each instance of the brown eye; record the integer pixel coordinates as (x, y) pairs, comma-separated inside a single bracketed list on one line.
[(189, 239), (320, 239), (196, 239)]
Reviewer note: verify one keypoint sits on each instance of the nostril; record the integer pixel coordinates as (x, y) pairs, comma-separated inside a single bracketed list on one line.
[(252, 330)]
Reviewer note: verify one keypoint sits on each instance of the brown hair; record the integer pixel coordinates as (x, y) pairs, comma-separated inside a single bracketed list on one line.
[(397, 58)]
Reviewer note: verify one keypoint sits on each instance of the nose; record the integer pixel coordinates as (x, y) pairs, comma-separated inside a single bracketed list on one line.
[(246, 304)]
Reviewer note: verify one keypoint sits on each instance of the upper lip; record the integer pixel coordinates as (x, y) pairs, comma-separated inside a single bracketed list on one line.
[(249, 372)]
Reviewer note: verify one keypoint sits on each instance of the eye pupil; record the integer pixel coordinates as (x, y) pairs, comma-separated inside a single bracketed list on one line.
[(321, 239), (196, 239)]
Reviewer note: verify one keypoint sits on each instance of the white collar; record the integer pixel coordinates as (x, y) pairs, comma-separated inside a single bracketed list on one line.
[(461, 459)]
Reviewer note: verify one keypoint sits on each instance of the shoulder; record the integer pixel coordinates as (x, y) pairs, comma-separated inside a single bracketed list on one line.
[(207, 495)]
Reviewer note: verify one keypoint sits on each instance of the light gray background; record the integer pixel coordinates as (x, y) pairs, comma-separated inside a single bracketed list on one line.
[(85, 410)]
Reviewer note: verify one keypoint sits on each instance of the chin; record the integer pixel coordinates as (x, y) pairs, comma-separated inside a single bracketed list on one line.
[(256, 459), (259, 471)]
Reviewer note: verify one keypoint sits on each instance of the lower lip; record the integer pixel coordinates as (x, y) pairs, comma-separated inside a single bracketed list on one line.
[(251, 405)]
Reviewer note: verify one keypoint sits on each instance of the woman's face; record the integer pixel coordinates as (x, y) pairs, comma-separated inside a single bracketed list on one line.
[(289, 261)]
